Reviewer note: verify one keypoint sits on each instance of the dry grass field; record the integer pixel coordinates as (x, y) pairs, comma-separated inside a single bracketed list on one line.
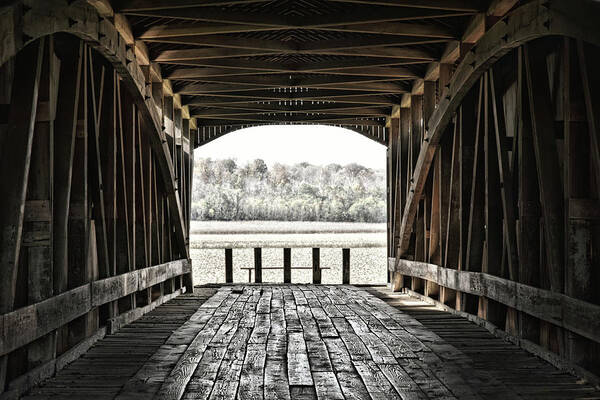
[(366, 241)]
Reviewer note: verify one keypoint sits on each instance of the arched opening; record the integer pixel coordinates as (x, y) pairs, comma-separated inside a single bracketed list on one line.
[(279, 191)]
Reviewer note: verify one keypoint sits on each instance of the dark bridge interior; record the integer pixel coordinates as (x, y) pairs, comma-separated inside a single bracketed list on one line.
[(490, 111)]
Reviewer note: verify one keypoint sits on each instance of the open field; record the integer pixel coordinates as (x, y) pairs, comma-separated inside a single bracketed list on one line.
[(241, 227), (366, 241)]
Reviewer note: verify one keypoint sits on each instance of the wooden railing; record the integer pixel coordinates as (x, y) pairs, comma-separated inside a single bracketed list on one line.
[(287, 266)]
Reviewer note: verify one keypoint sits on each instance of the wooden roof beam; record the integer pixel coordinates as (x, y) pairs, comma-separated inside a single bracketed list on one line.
[(377, 87), (225, 67), (223, 52), (287, 81), (139, 5), (358, 15), (200, 74), (384, 28), (262, 100), (455, 5), (224, 113), (287, 47), (250, 120)]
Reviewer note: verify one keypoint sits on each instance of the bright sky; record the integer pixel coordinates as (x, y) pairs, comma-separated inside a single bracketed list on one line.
[(291, 144)]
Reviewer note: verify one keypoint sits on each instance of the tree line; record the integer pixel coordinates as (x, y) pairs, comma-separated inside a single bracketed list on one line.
[(226, 191)]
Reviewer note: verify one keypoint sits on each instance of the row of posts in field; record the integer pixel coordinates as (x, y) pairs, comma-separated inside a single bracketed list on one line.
[(287, 266)]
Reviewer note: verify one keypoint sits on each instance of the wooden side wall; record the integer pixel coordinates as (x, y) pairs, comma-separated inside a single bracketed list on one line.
[(496, 203), (95, 206)]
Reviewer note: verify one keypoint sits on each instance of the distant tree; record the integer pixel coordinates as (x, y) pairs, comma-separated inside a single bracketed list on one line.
[(259, 169), (224, 190)]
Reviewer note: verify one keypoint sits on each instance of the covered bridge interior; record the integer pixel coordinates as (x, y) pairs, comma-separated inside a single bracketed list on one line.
[(490, 111)]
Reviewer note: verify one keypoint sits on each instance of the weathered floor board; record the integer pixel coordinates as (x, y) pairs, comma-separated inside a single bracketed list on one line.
[(306, 342)]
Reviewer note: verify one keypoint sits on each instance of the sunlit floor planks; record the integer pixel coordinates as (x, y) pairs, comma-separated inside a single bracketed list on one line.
[(305, 342)]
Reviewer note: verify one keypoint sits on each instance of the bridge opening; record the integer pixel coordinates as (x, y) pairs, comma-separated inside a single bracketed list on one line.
[(277, 196), (490, 114)]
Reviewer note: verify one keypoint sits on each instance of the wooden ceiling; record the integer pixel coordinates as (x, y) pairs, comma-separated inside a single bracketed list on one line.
[(252, 62)]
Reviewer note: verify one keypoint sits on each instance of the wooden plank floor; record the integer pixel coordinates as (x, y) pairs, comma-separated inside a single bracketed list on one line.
[(112, 361), (518, 371), (304, 342)]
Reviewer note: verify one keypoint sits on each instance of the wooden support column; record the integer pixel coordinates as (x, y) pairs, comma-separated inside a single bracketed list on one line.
[(258, 265), (125, 236), (546, 156), (96, 95), (188, 279), (316, 265), (468, 126), (287, 265), (142, 255), (529, 204), (581, 186), (345, 266), (228, 265), (433, 199), (416, 137), (37, 229), (393, 175), (81, 261), (15, 162), (65, 130), (476, 226), (489, 309)]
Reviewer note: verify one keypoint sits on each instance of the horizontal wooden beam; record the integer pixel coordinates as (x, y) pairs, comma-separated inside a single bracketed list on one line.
[(227, 112), (294, 107), (575, 315), (384, 28), (360, 65), (359, 14), (456, 5), (130, 5), (221, 53), (290, 95), (201, 74), (219, 87), (350, 119), (287, 47), (29, 323)]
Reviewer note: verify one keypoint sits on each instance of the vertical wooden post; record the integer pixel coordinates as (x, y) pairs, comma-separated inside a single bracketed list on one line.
[(228, 265), (416, 139), (258, 265), (316, 265), (64, 144), (529, 204), (579, 171), (345, 266), (546, 156), (287, 265), (39, 205)]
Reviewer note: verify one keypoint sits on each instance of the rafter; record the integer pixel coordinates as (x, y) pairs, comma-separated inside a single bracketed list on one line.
[(333, 97), (369, 86), (359, 15), (313, 109), (287, 47), (202, 74), (251, 120), (384, 28), (227, 67), (131, 5), (181, 55), (456, 5)]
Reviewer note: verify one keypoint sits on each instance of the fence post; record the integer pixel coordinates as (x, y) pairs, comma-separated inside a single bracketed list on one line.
[(228, 266), (316, 259), (258, 265), (346, 266), (287, 265)]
